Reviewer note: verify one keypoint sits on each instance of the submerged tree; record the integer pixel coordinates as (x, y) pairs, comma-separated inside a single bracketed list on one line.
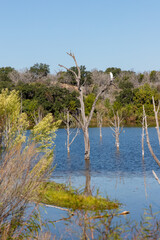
[(68, 121), (85, 120), (116, 128), (147, 135), (101, 110)]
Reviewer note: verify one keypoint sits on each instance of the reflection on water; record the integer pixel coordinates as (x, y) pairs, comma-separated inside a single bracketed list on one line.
[(122, 174)]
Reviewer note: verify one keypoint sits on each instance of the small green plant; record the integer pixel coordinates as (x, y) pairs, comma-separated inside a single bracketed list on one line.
[(60, 195)]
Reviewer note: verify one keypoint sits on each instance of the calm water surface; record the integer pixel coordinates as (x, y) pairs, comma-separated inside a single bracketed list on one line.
[(122, 175)]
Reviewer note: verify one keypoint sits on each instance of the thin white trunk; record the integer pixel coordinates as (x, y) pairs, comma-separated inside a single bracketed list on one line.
[(116, 128), (143, 128), (148, 142), (67, 123), (156, 118), (100, 121), (68, 133)]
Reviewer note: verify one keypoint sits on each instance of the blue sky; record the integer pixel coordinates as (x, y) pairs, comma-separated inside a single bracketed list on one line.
[(101, 33)]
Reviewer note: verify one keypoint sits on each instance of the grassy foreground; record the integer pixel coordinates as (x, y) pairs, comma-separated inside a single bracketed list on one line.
[(59, 195)]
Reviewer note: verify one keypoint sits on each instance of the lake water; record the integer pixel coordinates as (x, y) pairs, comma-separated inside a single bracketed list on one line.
[(121, 175)]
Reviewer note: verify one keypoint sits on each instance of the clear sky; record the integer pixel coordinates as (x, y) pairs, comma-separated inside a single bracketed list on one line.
[(101, 33)]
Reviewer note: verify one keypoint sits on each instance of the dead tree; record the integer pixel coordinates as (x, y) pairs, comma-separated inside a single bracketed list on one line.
[(148, 140), (101, 110), (67, 121), (116, 128), (100, 121), (156, 118), (149, 145), (143, 130), (85, 120)]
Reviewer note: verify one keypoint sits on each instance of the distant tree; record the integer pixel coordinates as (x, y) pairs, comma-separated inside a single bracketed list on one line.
[(4, 73), (39, 70), (140, 77), (5, 80), (125, 97), (86, 76), (114, 70), (88, 102), (125, 84), (153, 76)]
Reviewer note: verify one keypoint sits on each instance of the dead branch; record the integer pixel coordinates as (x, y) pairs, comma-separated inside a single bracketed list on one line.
[(156, 118), (156, 177), (148, 141)]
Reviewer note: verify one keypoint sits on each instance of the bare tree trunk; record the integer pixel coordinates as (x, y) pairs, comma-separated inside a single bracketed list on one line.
[(116, 128), (85, 121), (67, 121), (156, 118), (117, 140), (87, 191), (68, 133), (100, 120), (147, 137), (143, 128), (148, 141), (86, 143)]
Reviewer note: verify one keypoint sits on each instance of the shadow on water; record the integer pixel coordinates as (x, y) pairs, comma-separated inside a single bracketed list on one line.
[(121, 175)]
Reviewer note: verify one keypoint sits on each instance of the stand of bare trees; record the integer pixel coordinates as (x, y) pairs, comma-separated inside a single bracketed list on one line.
[(85, 120)]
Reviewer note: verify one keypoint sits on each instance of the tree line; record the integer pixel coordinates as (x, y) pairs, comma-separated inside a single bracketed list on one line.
[(42, 92)]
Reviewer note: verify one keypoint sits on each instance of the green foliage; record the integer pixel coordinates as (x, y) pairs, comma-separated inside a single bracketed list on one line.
[(143, 96), (40, 70), (60, 195), (44, 132), (4, 73), (107, 103), (86, 77), (13, 122), (23, 166), (131, 101), (125, 84), (29, 106), (5, 81), (125, 97), (140, 77), (88, 101), (53, 99), (153, 76), (114, 70)]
